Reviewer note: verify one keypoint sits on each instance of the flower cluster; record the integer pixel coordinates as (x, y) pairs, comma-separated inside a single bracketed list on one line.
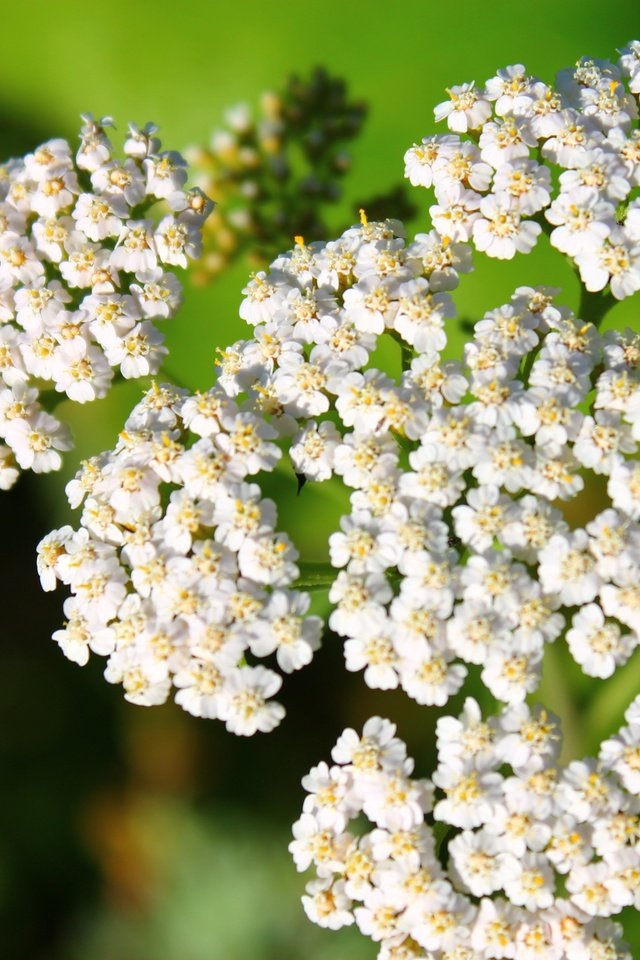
[(515, 139), (177, 573), (86, 267), (272, 175), (455, 548), (535, 859)]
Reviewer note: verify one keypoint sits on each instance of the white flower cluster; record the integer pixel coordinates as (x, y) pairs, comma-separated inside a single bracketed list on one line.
[(86, 267), (533, 863), (520, 137), (177, 573), (455, 549)]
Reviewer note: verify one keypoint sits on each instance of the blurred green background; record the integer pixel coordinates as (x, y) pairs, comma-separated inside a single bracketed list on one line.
[(150, 835)]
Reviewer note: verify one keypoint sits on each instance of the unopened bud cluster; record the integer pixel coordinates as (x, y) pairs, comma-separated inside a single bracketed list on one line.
[(272, 175), (86, 268), (501, 854)]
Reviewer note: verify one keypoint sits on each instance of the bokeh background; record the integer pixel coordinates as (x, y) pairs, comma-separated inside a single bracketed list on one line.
[(132, 834)]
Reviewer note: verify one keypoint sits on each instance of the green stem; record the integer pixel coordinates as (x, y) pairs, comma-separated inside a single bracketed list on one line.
[(315, 575), (556, 693), (594, 306), (529, 361), (603, 714), (51, 398), (406, 354), (547, 227)]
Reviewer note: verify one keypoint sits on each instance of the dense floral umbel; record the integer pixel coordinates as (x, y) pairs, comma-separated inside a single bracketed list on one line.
[(86, 267), (533, 861), (524, 156), (177, 573), (460, 548)]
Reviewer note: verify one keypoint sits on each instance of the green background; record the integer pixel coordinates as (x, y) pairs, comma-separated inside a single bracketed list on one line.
[(133, 834)]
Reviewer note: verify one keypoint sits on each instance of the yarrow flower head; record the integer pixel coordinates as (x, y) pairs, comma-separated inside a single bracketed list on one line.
[(177, 573), (516, 825), (87, 265), (516, 136), (459, 548)]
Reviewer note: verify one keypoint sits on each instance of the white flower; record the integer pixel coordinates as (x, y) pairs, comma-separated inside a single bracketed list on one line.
[(602, 441), (526, 184), (421, 158), (531, 741), (285, 631), (468, 737), (582, 220), (427, 674), (480, 521), (621, 753), (327, 904), (614, 261), (420, 316), (243, 704), (505, 140), (95, 217), (589, 890), (313, 450), (377, 747), (509, 83), (513, 670), (567, 568), (35, 442), (456, 211), (393, 803), (532, 885), (500, 232), (373, 651), (81, 371), (480, 863), (495, 928), (597, 646), (465, 110), (470, 796)]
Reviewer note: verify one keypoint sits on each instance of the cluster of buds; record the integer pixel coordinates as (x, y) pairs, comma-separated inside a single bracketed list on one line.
[(456, 550), (272, 175), (86, 267), (502, 854), (177, 573), (517, 141)]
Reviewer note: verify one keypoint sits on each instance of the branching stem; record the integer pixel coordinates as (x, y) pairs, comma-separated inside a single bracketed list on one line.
[(594, 306)]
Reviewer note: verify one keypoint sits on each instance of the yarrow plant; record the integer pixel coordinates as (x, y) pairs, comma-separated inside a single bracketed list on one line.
[(461, 554), (86, 268), (533, 859), (456, 551)]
